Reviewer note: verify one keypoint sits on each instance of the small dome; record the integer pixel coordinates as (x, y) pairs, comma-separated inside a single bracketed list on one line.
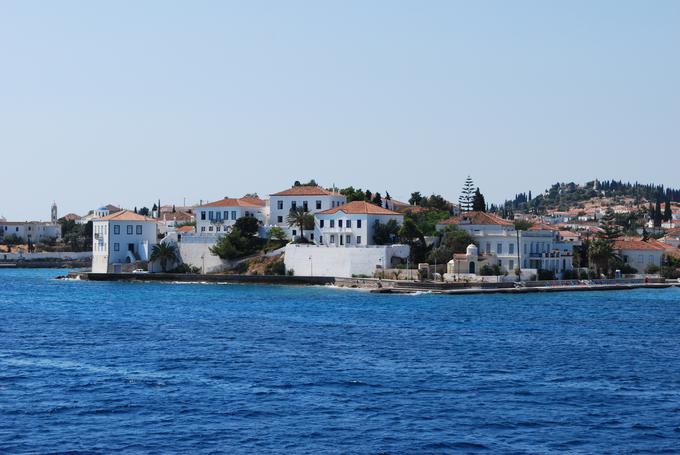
[(472, 250), (102, 208)]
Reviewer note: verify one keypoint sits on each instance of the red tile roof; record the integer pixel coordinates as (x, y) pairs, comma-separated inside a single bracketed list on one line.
[(360, 207), (543, 227), (232, 202), (477, 218), (304, 190), (177, 216), (126, 215), (638, 244), (185, 229)]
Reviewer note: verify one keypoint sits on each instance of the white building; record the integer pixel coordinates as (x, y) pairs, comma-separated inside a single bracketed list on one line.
[(101, 212), (33, 231), (219, 216), (312, 199), (351, 224), (122, 242), (640, 254), (541, 247)]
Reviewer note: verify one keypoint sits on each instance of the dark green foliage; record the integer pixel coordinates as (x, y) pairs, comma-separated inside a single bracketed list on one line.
[(144, 211), (478, 202), (377, 199), (415, 198), (12, 239), (312, 182), (385, 233), (652, 269), (490, 270), (248, 225), (545, 275), (667, 212), (451, 240), (77, 236), (353, 194), (522, 225), (427, 220), (185, 268), (275, 268), (466, 198), (164, 253), (302, 219)]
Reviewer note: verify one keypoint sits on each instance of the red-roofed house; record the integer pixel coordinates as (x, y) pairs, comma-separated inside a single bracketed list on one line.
[(312, 199), (217, 217), (640, 254), (122, 241), (351, 224)]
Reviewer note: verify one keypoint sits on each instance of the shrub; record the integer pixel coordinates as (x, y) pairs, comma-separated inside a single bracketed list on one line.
[(490, 270), (275, 268), (545, 275), (652, 269)]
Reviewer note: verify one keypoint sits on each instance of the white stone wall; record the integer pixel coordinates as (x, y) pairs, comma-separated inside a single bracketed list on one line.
[(194, 250), (35, 231), (313, 260), (63, 255)]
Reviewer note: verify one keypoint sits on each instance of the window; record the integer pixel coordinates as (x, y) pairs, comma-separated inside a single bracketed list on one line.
[(294, 232), (358, 240), (116, 230), (499, 248), (488, 247), (349, 223), (305, 207), (332, 223), (139, 229), (210, 228), (511, 248), (226, 215), (348, 239), (525, 248), (511, 264), (233, 214), (203, 215), (321, 223), (202, 228), (311, 236), (218, 228), (218, 216), (332, 239), (279, 219), (129, 229), (359, 224), (339, 223), (279, 205), (211, 215), (293, 205), (116, 247), (321, 240), (318, 205)]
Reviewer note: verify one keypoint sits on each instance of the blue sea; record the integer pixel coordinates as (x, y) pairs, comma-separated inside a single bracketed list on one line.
[(90, 367)]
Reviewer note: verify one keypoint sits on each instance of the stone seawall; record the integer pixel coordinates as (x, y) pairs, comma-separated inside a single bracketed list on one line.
[(185, 277)]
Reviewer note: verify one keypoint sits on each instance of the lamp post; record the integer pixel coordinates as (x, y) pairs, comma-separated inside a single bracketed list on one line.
[(203, 264), (382, 271), (519, 261), (311, 267)]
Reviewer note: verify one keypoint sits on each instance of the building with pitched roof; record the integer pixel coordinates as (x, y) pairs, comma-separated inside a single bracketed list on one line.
[(351, 224), (218, 217), (122, 242), (312, 199), (540, 247), (640, 254)]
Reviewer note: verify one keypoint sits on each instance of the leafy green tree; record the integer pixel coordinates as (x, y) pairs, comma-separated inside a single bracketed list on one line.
[(302, 219), (164, 253), (416, 198), (601, 250), (478, 202), (277, 233), (522, 225), (353, 194), (385, 233), (144, 211), (377, 199), (368, 196), (451, 240), (427, 220), (248, 225)]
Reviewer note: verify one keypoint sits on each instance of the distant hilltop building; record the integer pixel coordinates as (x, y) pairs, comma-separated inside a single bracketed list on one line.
[(32, 231)]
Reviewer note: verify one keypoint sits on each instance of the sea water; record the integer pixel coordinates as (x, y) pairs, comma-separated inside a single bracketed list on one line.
[(198, 368)]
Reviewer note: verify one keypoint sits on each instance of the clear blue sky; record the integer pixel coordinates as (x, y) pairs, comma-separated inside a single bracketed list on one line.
[(131, 101)]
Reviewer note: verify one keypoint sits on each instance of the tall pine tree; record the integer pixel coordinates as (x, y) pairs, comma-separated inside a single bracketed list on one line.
[(466, 198), (478, 202)]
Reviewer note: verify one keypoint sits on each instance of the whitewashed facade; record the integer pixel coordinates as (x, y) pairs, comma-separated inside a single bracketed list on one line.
[(351, 224), (121, 240), (538, 248), (216, 218), (312, 199), (35, 231)]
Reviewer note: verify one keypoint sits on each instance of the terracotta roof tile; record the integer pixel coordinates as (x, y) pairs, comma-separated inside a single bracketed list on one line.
[(304, 190), (477, 218), (638, 244), (233, 202), (125, 215), (360, 207)]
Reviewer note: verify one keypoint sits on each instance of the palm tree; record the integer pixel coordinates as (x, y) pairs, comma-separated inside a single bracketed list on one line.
[(301, 218), (164, 253)]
